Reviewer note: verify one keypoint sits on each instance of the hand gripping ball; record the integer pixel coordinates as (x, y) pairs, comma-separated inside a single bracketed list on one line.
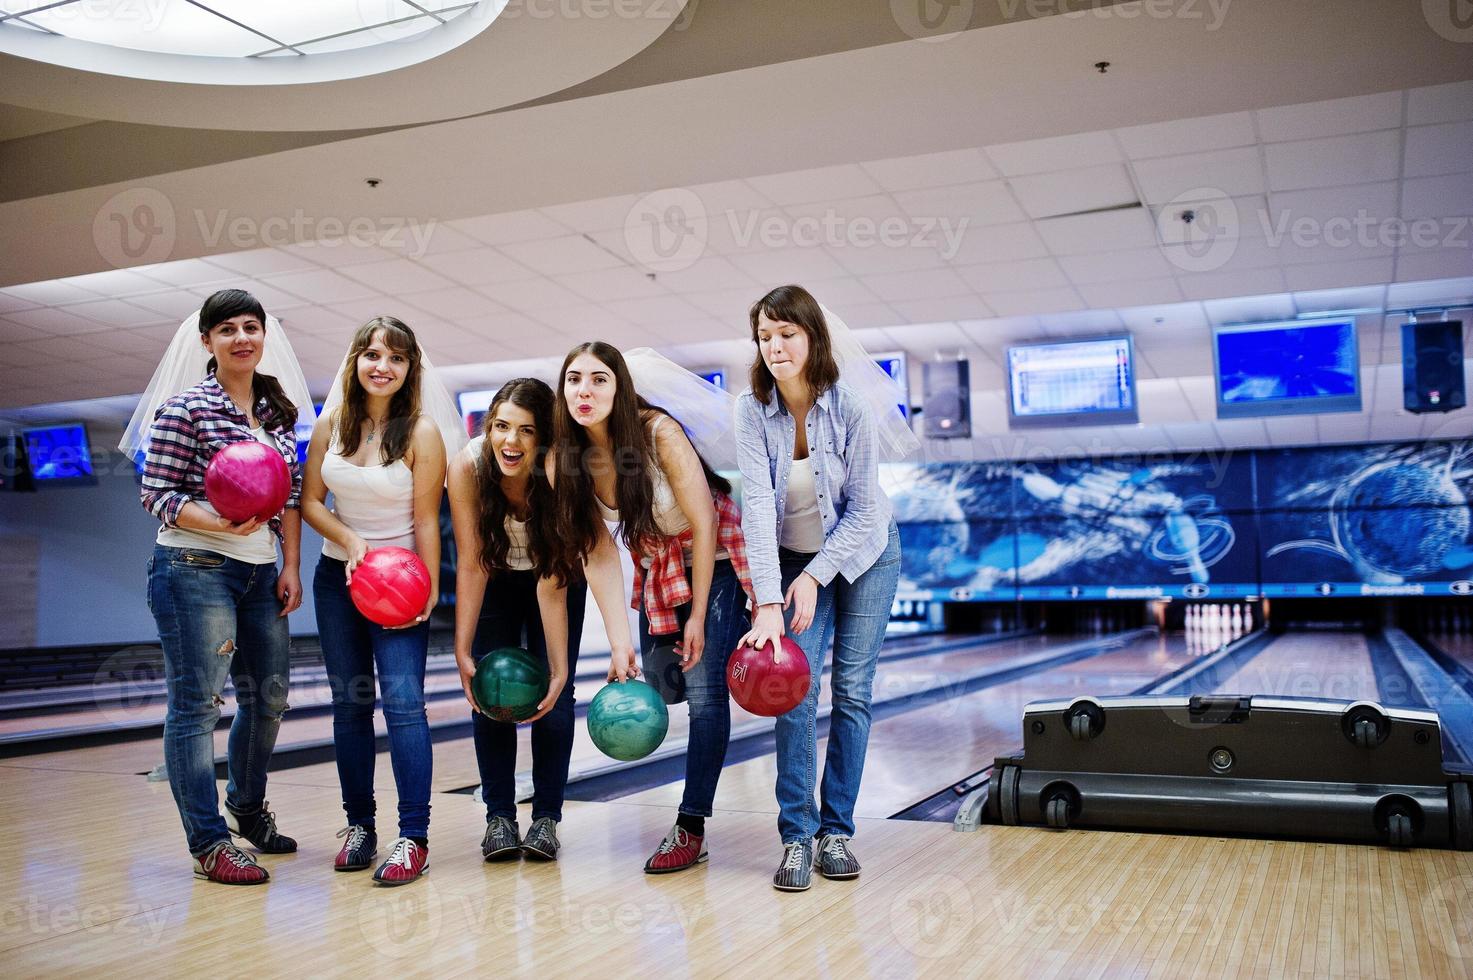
[(765, 685), (247, 479), (390, 586)]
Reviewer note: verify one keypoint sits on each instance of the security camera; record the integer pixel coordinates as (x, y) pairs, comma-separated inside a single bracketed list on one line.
[(1188, 216)]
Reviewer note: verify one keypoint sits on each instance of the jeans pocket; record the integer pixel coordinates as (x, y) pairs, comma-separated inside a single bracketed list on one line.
[(199, 558)]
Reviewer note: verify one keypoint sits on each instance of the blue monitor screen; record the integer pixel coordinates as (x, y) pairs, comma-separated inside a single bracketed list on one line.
[(716, 377), (1078, 382), (60, 455), (894, 366), (304, 436), (1287, 368)]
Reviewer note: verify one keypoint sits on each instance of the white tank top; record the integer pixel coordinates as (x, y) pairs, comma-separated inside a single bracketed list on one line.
[(518, 556), (256, 548), (670, 520), (802, 522), (376, 501)]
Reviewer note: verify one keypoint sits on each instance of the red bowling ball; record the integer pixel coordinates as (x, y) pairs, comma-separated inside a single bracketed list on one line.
[(247, 479), (767, 687), (390, 586)]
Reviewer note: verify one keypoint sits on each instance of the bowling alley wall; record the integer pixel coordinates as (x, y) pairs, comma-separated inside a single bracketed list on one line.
[(1366, 520)]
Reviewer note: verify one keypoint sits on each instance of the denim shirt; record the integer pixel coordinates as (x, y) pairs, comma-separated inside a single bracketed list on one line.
[(841, 446)]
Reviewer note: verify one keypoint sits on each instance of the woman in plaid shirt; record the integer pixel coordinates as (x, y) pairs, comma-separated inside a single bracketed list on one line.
[(215, 591), (618, 458)]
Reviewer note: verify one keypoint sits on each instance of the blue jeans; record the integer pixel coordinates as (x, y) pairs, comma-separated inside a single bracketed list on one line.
[(705, 685), (218, 617), (854, 615), (351, 648), (510, 617)]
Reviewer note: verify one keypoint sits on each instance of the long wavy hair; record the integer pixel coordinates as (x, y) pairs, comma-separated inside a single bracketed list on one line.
[(228, 304), (795, 305), (403, 407), (535, 397), (633, 454)]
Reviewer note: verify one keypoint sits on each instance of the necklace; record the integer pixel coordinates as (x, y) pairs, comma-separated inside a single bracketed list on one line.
[(372, 431)]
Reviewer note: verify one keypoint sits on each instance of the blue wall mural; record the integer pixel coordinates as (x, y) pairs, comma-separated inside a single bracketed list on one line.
[(1360, 520)]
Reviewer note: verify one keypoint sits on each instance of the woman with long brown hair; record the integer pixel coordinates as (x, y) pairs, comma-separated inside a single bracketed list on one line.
[(517, 585), (618, 458), (383, 457)]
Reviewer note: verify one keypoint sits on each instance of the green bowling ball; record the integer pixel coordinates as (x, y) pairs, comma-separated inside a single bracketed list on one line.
[(509, 684), (628, 720)]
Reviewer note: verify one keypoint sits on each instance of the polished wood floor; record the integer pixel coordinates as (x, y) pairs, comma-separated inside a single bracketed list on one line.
[(96, 880)]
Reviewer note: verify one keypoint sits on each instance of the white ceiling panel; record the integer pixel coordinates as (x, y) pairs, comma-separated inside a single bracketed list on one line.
[(998, 243), (477, 266), (818, 184), (1334, 160), (879, 258), (1180, 136), (931, 308), (113, 313), (1231, 173), (1136, 292), (1440, 103), (51, 293), (989, 203), (1411, 295), (599, 214), (927, 284), (1333, 275), (1337, 117), (396, 276), (1056, 153), (1329, 300), (1220, 285), (453, 304), (1433, 150), (321, 286), (1103, 267), (510, 226), (1073, 191), (1106, 231), (1175, 317), (1039, 301), (1007, 276), (531, 295), (553, 256), (1438, 197), (930, 170), (616, 283), (1246, 309), (1439, 262), (59, 321)]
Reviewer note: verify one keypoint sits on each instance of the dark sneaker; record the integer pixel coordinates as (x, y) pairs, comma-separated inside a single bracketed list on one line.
[(835, 860), (502, 841), (227, 864), (541, 842), (359, 849), (795, 874), (407, 861), (260, 829), (679, 850)]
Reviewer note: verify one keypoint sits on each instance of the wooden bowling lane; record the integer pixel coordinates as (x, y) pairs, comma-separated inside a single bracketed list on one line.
[(931, 902), (919, 752), (1308, 665)]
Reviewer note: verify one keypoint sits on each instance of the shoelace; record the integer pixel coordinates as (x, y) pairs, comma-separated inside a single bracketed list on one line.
[(835, 847), (235, 856), (676, 838), (356, 835), (503, 826), (542, 831), (269, 818), (404, 849), (794, 860)]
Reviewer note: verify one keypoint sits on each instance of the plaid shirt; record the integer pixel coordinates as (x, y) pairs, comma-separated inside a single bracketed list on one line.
[(668, 586), (188, 430)]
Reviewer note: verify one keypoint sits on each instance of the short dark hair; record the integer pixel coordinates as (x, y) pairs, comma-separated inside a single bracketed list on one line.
[(795, 305)]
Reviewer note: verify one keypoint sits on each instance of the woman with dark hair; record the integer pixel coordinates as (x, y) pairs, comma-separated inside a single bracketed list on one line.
[(213, 585), (618, 458), (825, 564), (517, 585), (383, 458)]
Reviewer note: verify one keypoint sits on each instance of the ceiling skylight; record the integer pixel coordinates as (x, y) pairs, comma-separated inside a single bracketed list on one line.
[(236, 28)]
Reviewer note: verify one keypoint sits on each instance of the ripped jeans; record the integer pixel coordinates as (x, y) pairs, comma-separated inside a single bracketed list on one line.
[(217, 618)]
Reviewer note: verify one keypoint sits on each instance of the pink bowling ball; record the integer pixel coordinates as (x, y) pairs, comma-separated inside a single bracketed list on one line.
[(390, 586), (247, 479)]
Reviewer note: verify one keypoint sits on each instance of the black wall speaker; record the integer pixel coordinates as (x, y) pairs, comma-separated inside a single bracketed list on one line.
[(947, 399), (1432, 366)]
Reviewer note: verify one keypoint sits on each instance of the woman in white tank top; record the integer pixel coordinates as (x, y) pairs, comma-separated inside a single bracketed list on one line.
[(517, 586), (384, 462)]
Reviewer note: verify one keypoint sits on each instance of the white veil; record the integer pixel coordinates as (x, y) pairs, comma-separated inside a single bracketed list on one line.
[(185, 363), (702, 408), (435, 401), (895, 440)]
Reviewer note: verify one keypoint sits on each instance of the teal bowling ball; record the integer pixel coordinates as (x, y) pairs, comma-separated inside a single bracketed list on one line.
[(509, 684), (628, 720)]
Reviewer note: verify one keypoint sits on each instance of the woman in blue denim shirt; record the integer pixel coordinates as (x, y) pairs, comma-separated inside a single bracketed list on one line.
[(825, 557)]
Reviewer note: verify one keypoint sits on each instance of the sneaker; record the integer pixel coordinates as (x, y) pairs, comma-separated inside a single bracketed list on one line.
[(679, 850), (359, 849), (502, 840), (260, 829), (795, 874), (227, 864), (542, 842), (407, 861), (835, 860)]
